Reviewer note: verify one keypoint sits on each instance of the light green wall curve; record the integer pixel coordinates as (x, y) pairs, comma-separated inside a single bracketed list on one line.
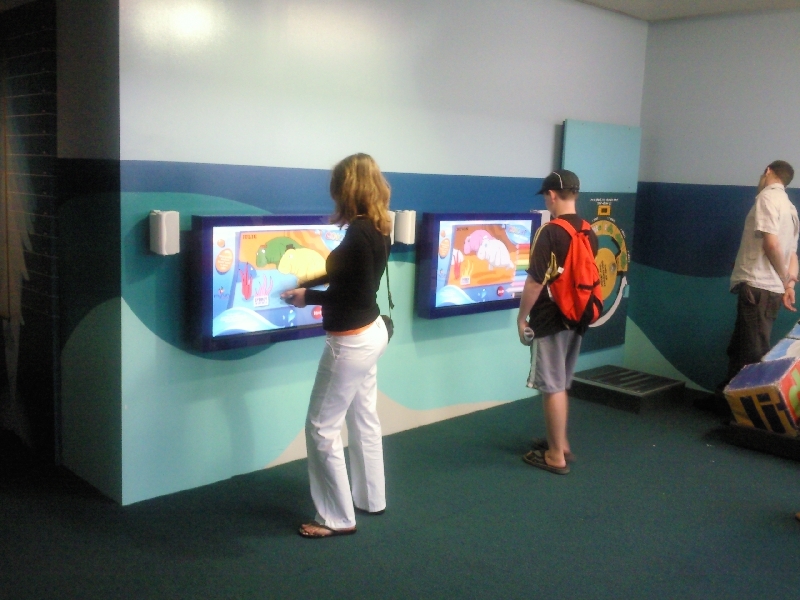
[(431, 363), (642, 355), (188, 421)]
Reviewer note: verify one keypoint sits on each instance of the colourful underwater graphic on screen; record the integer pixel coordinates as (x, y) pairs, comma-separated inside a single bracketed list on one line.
[(253, 265), (481, 261)]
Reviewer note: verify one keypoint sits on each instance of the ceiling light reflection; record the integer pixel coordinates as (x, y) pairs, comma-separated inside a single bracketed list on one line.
[(187, 23)]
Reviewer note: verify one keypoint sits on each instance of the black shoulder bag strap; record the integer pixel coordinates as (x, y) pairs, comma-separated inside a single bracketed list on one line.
[(388, 320), (388, 289)]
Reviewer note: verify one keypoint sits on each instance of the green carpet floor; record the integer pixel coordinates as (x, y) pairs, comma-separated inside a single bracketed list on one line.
[(655, 507)]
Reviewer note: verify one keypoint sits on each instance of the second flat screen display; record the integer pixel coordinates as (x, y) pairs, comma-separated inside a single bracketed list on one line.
[(472, 263)]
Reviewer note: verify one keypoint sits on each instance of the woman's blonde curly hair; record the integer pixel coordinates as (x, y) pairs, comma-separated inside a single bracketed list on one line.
[(359, 190)]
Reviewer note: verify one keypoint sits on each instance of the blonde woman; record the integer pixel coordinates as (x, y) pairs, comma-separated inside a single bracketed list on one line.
[(346, 386)]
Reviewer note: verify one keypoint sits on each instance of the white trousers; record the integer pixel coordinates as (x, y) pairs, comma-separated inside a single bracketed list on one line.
[(346, 387)]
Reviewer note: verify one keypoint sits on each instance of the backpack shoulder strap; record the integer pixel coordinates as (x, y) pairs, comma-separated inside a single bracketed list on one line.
[(565, 225)]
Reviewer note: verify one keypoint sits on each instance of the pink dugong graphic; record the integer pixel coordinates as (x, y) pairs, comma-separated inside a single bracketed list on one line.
[(474, 239), (304, 263), (495, 253)]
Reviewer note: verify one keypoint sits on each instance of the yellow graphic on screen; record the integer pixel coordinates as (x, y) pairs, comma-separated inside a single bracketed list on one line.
[(301, 253), (303, 263)]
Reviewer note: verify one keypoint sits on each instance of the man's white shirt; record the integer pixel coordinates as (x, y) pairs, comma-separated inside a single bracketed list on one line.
[(774, 213)]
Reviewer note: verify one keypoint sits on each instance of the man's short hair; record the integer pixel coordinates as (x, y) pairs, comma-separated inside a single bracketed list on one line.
[(783, 170), (567, 194)]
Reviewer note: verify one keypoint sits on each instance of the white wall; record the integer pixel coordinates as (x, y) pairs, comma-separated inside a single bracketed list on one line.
[(721, 98), (426, 86)]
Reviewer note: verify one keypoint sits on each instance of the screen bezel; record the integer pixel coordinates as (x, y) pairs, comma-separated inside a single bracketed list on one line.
[(201, 315), (427, 245)]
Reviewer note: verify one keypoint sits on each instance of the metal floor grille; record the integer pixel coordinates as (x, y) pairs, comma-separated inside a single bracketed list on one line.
[(628, 381), (626, 389)]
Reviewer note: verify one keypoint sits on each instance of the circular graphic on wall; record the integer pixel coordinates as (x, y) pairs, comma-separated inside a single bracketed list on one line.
[(612, 263)]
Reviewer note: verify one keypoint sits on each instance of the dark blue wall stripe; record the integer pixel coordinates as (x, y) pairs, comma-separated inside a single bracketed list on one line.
[(691, 229), (464, 193), (305, 191)]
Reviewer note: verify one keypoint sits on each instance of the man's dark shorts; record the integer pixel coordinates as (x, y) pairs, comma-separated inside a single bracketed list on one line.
[(553, 360)]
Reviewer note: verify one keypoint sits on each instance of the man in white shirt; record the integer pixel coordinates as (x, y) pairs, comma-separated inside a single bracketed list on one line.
[(766, 267)]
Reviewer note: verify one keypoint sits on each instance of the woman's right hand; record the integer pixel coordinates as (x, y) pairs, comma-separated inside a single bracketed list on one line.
[(295, 297)]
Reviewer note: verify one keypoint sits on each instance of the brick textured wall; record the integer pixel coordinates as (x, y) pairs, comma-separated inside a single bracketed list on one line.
[(30, 271)]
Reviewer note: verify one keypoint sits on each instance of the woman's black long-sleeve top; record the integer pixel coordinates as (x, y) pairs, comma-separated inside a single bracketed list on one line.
[(354, 271)]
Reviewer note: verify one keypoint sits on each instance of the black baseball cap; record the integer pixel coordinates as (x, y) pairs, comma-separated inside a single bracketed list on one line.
[(561, 180)]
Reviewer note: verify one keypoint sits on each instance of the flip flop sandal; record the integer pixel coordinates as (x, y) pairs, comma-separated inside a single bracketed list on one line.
[(325, 533), (541, 444), (536, 459)]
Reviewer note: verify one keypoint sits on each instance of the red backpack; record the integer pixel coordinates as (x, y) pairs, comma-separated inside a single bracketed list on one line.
[(576, 290)]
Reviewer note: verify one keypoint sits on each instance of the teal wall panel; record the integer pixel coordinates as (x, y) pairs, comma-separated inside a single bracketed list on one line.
[(606, 159), (605, 156)]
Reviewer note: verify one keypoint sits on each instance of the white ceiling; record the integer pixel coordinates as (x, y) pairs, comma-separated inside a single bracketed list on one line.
[(660, 10), (647, 10)]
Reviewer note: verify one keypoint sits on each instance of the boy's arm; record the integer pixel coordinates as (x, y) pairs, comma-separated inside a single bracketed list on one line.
[(530, 293)]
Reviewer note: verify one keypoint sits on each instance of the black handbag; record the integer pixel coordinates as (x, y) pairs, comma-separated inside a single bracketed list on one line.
[(387, 319)]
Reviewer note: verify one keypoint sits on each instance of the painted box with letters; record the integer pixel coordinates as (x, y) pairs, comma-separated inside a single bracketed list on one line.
[(766, 395)]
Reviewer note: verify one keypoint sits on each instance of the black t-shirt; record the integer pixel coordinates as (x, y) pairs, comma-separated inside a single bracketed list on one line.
[(548, 253), (354, 271)]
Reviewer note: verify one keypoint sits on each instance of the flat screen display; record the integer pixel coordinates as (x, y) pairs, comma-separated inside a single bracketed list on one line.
[(469, 263), (245, 264)]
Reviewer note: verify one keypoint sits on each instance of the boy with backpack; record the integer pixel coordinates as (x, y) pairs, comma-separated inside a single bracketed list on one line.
[(562, 265)]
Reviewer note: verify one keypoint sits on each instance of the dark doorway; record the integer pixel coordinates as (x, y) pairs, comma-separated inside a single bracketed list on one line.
[(28, 227)]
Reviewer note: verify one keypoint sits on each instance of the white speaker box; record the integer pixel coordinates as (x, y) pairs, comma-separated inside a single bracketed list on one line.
[(165, 232)]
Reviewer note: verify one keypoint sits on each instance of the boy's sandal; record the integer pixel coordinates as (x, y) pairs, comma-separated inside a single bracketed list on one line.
[(537, 459), (541, 444)]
